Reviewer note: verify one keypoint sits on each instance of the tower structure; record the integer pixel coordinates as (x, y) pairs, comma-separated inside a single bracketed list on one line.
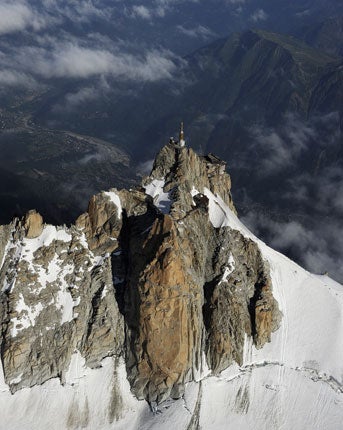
[(181, 136)]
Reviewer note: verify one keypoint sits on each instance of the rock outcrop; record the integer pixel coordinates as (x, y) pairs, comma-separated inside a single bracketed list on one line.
[(57, 297), (33, 224), (154, 274)]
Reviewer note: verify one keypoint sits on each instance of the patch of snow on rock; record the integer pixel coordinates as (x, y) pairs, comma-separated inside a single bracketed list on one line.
[(161, 199), (27, 318), (114, 198), (16, 380), (66, 304), (228, 269), (49, 234)]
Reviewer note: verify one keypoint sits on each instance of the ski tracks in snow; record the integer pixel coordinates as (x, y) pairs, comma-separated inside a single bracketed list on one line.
[(278, 287), (194, 422)]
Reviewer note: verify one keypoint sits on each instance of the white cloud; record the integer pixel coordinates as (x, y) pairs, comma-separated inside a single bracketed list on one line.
[(301, 154), (314, 243), (259, 15), (18, 16), (11, 78), (278, 152), (279, 148), (79, 11), (145, 167), (141, 12), (330, 190), (95, 157), (305, 12), (157, 8), (326, 189), (74, 61), (199, 31), (79, 98)]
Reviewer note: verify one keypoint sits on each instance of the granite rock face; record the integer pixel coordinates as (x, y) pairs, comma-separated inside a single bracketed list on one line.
[(57, 297), (153, 274), (193, 291), (33, 224)]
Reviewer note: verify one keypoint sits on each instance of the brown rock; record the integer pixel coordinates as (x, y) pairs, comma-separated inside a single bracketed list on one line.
[(178, 306), (101, 223), (265, 314), (33, 224), (177, 289), (168, 331)]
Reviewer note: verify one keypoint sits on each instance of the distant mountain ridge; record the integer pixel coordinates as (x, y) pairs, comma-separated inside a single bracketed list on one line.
[(267, 103), (254, 75), (326, 35), (258, 73)]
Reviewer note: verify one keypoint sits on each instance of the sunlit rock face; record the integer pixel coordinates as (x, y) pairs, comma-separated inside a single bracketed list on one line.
[(156, 275), (195, 288)]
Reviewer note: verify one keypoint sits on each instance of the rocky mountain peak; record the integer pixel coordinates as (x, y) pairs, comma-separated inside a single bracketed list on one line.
[(182, 172), (154, 274)]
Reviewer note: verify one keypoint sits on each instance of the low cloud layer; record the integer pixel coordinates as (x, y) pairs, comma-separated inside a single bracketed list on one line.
[(74, 61), (10, 78), (61, 38), (259, 15), (140, 11), (281, 148), (49, 51), (18, 16), (198, 32), (155, 8), (316, 243), (144, 168), (304, 218)]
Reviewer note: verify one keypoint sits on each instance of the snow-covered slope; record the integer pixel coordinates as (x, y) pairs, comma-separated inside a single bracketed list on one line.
[(294, 382)]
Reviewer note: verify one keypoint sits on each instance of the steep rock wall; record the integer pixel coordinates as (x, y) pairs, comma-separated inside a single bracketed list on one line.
[(145, 274)]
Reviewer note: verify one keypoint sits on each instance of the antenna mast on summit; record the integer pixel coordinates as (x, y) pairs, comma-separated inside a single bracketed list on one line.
[(181, 136)]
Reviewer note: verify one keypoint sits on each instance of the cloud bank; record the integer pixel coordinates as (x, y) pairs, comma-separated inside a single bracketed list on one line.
[(74, 61), (18, 16), (307, 217)]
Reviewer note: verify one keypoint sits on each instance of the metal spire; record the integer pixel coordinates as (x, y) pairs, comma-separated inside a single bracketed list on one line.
[(181, 136)]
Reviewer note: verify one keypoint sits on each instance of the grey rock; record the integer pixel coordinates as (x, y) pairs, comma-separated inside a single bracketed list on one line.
[(163, 288)]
